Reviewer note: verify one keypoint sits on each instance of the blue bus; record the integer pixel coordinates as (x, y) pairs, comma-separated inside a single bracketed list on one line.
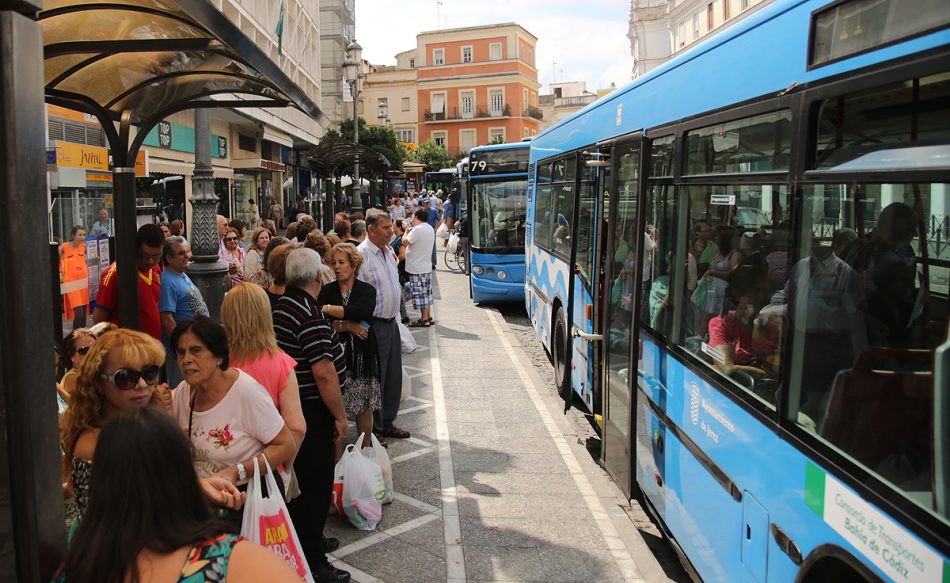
[(740, 261), (497, 194)]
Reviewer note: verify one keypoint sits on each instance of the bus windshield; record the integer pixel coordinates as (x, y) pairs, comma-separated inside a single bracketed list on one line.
[(499, 214)]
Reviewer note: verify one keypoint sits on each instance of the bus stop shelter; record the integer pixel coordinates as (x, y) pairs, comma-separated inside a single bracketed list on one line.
[(128, 63)]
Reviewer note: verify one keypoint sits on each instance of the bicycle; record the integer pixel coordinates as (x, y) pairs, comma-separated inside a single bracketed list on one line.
[(455, 260)]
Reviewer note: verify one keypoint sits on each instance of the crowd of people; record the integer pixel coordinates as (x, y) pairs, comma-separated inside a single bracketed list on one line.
[(308, 340)]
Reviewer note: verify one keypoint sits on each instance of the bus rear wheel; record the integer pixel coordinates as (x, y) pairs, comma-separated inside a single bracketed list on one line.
[(559, 348)]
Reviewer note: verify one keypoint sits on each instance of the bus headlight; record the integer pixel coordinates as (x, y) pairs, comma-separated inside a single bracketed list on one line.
[(490, 271), (477, 270), (502, 275)]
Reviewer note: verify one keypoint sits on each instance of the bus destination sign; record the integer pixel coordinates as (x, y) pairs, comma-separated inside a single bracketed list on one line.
[(508, 161)]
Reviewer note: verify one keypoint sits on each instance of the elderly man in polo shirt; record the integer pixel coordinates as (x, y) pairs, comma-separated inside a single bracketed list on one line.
[(379, 270)]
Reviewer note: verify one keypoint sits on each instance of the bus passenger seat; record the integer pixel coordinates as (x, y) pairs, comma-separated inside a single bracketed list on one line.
[(883, 418)]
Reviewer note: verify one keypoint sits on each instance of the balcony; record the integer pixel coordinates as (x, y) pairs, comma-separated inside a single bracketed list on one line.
[(456, 113), (534, 112)]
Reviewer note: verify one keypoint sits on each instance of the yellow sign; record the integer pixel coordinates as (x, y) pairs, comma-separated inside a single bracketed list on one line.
[(72, 155), (141, 164), (410, 146), (96, 177)]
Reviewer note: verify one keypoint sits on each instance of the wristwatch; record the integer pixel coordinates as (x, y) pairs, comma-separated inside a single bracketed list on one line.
[(242, 473)]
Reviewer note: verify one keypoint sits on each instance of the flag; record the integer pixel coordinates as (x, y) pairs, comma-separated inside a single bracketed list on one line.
[(279, 31)]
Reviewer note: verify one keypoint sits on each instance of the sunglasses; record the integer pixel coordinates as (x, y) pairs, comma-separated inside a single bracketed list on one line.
[(126, 378), (230, 238), (81, 351)]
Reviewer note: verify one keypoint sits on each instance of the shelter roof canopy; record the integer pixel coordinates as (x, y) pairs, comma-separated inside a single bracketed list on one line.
[(153, 57)]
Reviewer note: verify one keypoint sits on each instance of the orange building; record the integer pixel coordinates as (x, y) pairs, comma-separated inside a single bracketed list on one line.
[(477, 85)]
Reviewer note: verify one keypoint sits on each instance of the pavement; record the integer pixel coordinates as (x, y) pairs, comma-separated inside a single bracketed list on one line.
[(493, 485)]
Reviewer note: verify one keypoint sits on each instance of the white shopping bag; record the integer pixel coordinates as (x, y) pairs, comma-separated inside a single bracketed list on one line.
[(453, 243), (442, 232), (409, 343), (267, 522), (406, 386), (378, 454), (363, 489)]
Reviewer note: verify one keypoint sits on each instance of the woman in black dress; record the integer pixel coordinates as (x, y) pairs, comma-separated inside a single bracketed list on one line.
[(349, 303)]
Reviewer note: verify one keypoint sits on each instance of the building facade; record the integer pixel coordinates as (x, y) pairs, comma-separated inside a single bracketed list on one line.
[(564, 100), (476, 85), (660, 29), (337, 31), (390, 97)]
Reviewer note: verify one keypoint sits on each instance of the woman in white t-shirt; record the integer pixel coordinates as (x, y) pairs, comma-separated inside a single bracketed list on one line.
[(227, 415)]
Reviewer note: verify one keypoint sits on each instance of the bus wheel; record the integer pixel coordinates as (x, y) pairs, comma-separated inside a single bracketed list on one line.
[(562, 378)]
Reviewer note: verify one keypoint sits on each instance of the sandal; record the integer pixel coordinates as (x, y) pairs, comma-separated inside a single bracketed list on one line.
[(419, 324), (396, 433), (382, 440)]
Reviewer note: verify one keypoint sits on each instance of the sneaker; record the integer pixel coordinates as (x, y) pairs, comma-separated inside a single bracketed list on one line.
[(327, 573)]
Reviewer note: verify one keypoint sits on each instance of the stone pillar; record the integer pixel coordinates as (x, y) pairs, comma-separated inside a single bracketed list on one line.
[(207, 272)]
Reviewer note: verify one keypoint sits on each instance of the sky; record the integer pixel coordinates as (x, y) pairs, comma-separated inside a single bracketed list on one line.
[(586, 38)]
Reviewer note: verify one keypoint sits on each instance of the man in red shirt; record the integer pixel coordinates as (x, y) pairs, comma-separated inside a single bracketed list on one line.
[(149, 241)]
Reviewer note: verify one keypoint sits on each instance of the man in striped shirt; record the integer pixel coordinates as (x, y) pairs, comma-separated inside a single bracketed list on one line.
[(379, 270), (305, 335)]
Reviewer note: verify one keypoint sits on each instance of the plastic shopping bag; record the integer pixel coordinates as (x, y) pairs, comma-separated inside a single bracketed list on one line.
[(267, 522), (378, 454), (409, 343), (453, 243), (363, 489), (442, 232), (337, 500), (406, 386)]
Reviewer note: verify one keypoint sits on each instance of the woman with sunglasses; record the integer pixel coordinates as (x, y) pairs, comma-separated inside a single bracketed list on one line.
[(119, 372), (233, 255), (227, 415), (72, 351)]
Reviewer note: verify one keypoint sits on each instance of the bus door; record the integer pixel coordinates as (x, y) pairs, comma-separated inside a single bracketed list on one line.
[(618, 263)]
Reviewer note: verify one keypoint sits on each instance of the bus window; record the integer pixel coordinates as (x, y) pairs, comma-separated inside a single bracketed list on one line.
[(761, 143), (733, 318), (554, 208), (659, 257), (867, 304)]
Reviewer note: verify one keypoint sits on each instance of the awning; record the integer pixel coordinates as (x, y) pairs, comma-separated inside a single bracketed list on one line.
[(170, 167), (257, 164), (277, 138)]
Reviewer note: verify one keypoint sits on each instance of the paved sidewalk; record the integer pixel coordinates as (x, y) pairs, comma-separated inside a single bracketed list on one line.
[(488, 487)]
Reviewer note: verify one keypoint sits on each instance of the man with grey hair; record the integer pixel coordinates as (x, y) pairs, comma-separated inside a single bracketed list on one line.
[(304, 334), (379, 270), (357, 232), (179, 299)]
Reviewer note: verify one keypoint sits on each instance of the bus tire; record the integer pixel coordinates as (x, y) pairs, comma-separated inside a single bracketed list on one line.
[(560, 356)]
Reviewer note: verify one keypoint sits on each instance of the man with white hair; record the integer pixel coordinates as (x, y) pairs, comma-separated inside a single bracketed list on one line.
[(304, 334)]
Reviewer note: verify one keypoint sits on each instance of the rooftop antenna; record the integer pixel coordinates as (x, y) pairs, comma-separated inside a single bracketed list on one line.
[(438, 13), (553, 73)]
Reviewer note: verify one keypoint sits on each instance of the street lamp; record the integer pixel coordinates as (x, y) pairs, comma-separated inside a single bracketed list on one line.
[(351, 74)]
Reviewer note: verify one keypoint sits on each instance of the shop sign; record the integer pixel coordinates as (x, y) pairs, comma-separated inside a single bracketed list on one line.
[(222, 147), (141, 164), (72, 155), (164, 135), (70, 114), (272, 166)]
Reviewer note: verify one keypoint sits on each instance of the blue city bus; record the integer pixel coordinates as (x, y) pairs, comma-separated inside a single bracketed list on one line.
[(497, 194), (740, 261), (458, 196)]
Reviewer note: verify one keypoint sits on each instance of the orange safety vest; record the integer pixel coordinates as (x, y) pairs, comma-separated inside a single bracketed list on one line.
[(75, 284)]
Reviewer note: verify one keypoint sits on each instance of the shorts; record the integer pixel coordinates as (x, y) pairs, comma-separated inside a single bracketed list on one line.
[(420, 290)]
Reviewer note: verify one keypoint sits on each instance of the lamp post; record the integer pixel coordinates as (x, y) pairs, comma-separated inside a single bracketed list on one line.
[(351, 74)]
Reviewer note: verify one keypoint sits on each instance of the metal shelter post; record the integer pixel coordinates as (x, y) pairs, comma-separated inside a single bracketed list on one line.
[(207, 271), (32, 541)]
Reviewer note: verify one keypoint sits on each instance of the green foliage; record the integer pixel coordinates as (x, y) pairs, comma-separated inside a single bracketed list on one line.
[(434, 156)]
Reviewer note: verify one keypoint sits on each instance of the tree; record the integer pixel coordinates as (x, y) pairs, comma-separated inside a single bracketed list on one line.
[(434, 156)]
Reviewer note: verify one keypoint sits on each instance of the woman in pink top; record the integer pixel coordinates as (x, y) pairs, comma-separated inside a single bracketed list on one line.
[(246, 317)]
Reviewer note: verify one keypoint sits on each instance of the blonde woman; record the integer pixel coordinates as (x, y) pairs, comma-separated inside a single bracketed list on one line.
[(120, 371), (247, 321)]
